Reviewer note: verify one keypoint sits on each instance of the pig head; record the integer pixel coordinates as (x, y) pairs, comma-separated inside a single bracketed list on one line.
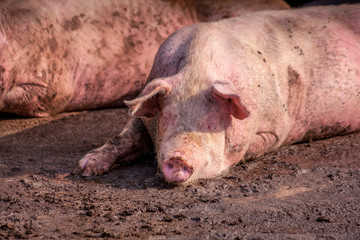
[(193, 124)]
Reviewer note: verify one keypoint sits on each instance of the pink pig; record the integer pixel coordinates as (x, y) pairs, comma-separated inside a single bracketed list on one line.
[(235, 89), (60, 55)]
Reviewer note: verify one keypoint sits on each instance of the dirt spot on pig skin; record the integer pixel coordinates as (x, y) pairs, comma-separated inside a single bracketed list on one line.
[(294, 77), (304, 191), (73, 24), (19, 12), (295, 89), (2, 81), (52, 44)]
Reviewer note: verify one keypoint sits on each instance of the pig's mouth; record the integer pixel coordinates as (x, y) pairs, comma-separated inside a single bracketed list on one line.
[(176, 170)]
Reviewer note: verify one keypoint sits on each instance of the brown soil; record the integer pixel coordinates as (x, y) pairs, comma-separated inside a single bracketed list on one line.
[(304, 191)]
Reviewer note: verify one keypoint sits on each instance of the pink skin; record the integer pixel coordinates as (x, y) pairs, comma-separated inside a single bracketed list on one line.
[(233, 90), (60, 55)]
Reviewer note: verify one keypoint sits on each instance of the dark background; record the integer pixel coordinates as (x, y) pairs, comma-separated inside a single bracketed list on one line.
[(299, 3)]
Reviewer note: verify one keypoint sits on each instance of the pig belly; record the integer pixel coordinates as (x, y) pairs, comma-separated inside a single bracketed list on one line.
[(61, 56)]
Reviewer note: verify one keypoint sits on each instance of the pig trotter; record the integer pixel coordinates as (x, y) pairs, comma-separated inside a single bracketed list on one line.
[(132, 143)]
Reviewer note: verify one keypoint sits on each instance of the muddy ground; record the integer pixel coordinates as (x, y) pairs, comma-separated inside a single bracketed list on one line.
[(304, 191)]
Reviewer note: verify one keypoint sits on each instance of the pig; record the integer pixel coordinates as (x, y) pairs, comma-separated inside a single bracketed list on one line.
[(228, 91), (60, 55)]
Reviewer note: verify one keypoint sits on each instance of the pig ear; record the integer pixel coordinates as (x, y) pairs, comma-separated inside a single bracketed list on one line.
[(147, 104), (229, 99)]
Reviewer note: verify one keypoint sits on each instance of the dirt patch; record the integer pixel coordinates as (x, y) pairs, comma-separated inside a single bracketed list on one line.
[(304, 191)]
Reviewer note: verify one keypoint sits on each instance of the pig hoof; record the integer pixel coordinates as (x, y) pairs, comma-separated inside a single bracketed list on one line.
[(91, 166), (176, 170)]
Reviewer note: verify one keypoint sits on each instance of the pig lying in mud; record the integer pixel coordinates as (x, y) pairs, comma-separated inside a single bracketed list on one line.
[(235, 89), (59, 55)]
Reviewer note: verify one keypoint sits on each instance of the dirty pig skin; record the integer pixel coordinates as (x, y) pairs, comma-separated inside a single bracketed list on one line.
[(60, 55), (235, 89)]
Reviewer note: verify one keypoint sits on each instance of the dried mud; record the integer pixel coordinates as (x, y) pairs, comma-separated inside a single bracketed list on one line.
[(304, 191)]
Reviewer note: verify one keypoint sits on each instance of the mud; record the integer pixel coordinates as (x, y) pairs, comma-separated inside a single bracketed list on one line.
[(304, 191)]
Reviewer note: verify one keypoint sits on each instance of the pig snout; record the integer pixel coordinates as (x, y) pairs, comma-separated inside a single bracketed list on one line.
[(176, 170)]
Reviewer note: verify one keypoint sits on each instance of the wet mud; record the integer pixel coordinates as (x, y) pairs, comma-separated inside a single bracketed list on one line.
[(304, 191)]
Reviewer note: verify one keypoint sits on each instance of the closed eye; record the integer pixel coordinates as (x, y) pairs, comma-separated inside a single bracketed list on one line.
[(214, 127)]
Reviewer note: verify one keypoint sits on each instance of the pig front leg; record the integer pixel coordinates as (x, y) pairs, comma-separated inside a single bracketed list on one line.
[(132, 143)]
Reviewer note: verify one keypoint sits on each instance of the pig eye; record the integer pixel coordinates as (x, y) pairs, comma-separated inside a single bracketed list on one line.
[(214, 126)]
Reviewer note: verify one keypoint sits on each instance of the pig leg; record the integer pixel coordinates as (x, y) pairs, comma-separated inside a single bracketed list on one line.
[(132, 143)]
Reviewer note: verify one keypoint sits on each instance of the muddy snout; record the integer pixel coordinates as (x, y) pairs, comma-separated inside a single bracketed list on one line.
[(176, 170)]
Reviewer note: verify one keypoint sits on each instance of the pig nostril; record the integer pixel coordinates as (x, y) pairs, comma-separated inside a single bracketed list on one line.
[(170, 166), (185, 168)]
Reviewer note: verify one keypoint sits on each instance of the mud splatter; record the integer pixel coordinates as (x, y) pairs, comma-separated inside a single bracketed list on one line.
[(2, 81), (53, 44), (73, 24), (296, 89)]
